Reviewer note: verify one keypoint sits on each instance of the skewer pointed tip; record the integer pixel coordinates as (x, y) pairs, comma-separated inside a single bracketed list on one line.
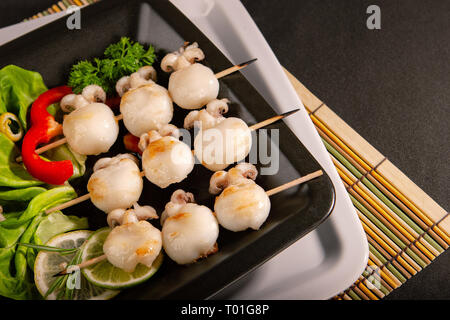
[(234, 68), (295, 182), (246, 63), (287, 114), (272, 120)]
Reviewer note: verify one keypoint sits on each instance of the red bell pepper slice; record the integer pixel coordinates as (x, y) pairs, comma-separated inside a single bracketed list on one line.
[(43, 129), (131, 143)]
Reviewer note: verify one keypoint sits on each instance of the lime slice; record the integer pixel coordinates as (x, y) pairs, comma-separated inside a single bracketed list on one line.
[(104, 274), (47, 264)]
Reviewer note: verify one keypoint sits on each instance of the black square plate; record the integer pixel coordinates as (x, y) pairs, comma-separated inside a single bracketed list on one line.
[(52, 49)]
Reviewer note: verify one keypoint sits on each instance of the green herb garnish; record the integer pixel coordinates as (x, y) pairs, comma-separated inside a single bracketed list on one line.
[(48, 248), (120, 59)]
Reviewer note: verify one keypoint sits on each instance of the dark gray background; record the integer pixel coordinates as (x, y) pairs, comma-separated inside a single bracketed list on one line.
[(391, 85)]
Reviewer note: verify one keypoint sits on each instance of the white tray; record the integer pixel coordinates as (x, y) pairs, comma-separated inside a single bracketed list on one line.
[(327, 260)]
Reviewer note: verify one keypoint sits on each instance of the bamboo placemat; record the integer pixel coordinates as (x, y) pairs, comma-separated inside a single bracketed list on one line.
[(61, 6), (405, 228)]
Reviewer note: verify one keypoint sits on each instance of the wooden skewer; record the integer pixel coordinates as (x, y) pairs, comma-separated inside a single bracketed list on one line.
[(49, 146), (84, 264), (69, 203), (270, 192), (218, 75), (235, 68), (266, 122), (295, 182)]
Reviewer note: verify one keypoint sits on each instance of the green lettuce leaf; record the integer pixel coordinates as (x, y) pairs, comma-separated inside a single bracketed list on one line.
[(13, 174), (18, 89), (25, 194), (16, 199), (10, 286), (11, 230), (47, 200), (16, 278)]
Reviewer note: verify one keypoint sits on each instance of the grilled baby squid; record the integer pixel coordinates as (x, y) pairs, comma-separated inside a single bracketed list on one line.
[(118, 216), (242, 204), (135, 240), (191, 84), (189, 230), (228, 141), (115, 183), (90, 127), (144, 105), (165, 159), (209, 117)]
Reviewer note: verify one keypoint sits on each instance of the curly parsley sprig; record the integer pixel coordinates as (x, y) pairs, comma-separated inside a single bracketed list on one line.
[(120, 59)]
